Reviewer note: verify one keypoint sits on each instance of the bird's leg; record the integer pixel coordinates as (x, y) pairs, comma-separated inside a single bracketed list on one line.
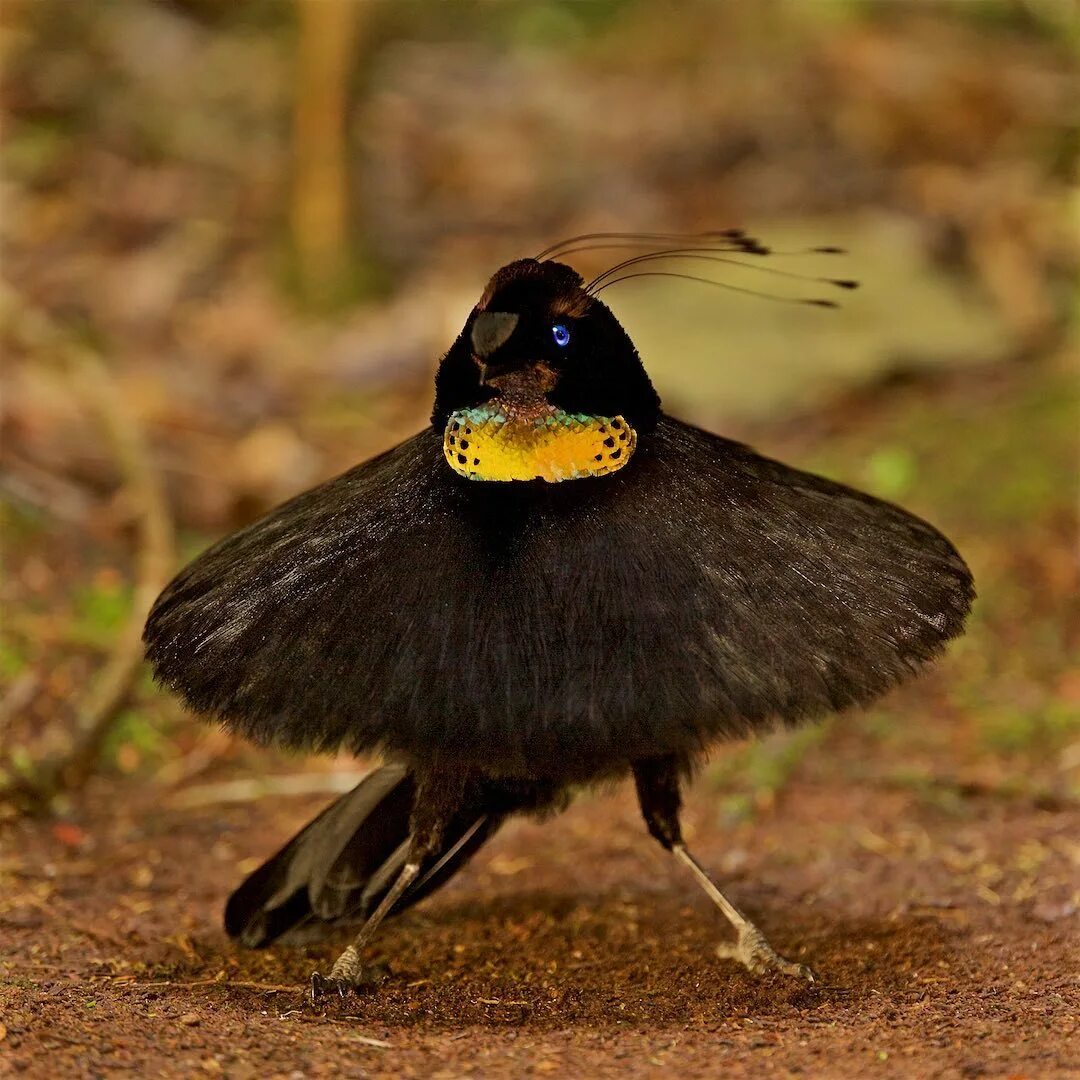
[(751, 949), (439, 797), (657, 781)]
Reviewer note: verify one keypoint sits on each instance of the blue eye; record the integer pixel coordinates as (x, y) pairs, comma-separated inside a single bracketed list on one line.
[(561, 335)]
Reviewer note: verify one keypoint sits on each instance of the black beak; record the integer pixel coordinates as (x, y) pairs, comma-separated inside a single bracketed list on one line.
[(491, 329)]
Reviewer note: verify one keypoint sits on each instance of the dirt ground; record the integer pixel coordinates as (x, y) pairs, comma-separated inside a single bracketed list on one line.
[(941, 940)]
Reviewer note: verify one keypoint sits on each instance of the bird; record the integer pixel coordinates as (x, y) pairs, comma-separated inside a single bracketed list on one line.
[(555, 584)]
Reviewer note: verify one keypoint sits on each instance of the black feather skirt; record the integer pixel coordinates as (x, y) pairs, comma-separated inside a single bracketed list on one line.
[(702, 592)]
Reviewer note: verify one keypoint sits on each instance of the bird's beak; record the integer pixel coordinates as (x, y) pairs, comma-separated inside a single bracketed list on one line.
[(491, 329)]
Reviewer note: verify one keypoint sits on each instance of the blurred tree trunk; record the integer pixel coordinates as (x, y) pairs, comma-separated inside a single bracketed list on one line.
[(328, 34)]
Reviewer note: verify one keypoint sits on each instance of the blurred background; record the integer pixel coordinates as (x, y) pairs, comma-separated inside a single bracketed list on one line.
[(237, 237)]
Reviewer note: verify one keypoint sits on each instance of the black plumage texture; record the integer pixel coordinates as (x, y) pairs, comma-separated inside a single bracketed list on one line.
[(702, 592), (339, 866), (320, 876)]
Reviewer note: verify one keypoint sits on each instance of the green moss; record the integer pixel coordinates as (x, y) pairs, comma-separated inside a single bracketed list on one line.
[(1002, 463), (137, 729), (13, 659), (100, 610), (891, 472), (1044, 728), (761, 769)]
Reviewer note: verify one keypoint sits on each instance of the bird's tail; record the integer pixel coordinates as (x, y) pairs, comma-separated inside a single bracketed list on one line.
[(339, 866)]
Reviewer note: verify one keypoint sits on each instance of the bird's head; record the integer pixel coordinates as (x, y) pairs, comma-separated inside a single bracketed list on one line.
[(542, 383)]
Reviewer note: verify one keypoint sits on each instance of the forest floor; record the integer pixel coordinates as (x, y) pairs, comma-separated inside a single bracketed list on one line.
[(922, 857)]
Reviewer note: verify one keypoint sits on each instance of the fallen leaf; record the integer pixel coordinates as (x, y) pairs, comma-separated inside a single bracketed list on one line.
[(68, 834)]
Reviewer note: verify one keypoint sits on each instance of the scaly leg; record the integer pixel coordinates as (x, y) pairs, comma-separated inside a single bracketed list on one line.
[(657, 783), (439, 797)]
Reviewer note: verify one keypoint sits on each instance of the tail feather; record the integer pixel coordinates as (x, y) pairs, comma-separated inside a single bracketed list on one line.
[(338, 867)]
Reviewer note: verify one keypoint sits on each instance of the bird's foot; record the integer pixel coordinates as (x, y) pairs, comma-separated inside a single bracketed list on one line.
[(757, 955), (347, 974), (323, 986)]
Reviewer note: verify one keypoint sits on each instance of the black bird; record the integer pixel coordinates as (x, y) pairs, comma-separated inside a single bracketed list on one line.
[(554, 584)]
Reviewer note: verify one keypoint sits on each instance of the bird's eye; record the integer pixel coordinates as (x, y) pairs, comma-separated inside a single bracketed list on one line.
[(561, 335)]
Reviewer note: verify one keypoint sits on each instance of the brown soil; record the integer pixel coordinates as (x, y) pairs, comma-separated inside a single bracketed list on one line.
[(572, 947)]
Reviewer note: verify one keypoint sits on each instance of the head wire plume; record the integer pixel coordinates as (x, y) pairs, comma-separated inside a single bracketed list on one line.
[(718, 246)]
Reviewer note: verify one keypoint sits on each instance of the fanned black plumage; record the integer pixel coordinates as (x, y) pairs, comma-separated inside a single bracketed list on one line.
[(702, 592)]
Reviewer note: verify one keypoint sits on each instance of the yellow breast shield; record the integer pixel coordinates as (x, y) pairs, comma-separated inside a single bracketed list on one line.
[(496, 442)]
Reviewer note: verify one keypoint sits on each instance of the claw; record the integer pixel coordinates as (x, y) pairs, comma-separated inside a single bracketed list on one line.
[(759, 957), (323, 986), (347, 976)]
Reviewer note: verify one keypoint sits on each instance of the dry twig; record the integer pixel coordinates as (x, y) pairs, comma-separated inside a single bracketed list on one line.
[(328, 32)]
